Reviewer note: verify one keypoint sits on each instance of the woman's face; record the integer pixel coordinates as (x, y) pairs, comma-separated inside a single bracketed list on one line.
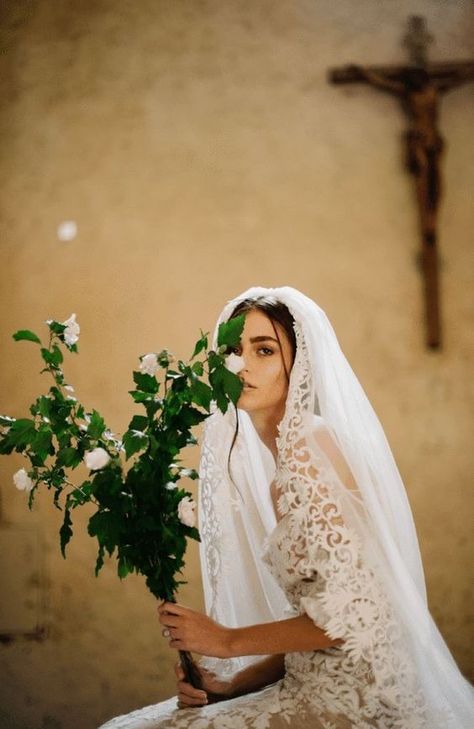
[(265, 384)]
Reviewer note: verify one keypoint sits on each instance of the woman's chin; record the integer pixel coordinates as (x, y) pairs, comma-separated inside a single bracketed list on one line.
[(244, 401)]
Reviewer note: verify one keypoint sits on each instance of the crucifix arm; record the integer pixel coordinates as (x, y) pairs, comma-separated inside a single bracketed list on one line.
[(458, 77), (377, 79)]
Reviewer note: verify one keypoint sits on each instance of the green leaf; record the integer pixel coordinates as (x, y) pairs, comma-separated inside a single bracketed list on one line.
[(140, 396), (65, 533), (232, 385), (107, 527), (138, 422), (22, 433), (56, 327), (229, 332), (26, 334), (134, 442), (145, 383), (201, 394), (200, 345), (42, 443), (123, 568), (214, 361), (68, 457), (190, 416), (100, 559), (80, 495), (44, 406), (198, 368), (96, 426), (193, 533), (53, 357)]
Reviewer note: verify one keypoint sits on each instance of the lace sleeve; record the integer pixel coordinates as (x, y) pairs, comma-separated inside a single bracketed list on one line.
[(338, 587)]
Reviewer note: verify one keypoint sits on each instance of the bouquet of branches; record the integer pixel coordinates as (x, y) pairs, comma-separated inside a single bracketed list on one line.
[(143, 516)]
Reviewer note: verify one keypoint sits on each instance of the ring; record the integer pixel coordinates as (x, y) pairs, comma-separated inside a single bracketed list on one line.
[(166, 633)]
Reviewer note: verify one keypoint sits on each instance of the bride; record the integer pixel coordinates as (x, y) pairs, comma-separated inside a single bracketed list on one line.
[(316, 609)]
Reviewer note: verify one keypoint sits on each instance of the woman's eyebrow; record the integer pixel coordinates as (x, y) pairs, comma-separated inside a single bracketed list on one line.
[(263, 339)]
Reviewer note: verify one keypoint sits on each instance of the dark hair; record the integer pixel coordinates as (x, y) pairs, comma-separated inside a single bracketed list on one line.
[(278, 312)]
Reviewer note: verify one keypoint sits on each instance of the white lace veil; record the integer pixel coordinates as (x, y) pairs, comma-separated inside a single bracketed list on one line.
[(327, 407)]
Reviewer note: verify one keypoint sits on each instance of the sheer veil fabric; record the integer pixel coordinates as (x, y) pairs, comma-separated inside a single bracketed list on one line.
[(354, 531)]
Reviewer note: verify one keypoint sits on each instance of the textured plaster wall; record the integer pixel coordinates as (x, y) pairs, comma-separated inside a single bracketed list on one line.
[(200, 150)]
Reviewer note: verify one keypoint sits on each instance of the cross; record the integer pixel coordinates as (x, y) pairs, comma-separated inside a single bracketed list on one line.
[(419, 87)]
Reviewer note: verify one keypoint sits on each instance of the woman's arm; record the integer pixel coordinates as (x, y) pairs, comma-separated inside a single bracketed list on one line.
[(190, 630), (258, 675), (252, 678), (281, 636)]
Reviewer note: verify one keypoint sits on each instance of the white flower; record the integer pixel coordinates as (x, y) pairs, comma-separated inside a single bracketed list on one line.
[(171, 485), (234, 363), (186, 511), (22, 481), (149, 364), (96, 459), (69, 388), (71, 333)]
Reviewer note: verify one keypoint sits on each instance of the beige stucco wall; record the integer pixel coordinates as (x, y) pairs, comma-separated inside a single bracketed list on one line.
[(200, 150)]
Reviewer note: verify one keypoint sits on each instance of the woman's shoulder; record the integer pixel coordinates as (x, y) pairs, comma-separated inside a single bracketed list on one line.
[(325, 439)]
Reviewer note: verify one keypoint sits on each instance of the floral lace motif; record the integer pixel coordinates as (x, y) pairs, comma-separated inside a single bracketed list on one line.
[(319, 561)]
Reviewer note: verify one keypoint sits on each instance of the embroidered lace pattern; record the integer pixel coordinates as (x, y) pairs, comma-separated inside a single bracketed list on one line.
[(319, 561)]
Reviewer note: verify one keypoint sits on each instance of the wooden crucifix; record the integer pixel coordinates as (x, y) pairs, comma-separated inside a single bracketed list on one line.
[(419, 87)]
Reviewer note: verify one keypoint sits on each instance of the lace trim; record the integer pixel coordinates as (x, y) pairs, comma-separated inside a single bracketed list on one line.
[(321, 560)]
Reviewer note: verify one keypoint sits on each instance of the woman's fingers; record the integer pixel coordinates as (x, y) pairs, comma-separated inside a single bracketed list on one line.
[(190, 695), (187, 694), (186, 700), (170, 620)]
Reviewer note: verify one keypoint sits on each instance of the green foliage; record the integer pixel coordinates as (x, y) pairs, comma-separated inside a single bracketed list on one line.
[(229, 332), (65, 533), (136, 500), (26, 334), (96, 426)]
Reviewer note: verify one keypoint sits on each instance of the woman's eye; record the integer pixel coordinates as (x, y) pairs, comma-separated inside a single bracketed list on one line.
[(267, 350)]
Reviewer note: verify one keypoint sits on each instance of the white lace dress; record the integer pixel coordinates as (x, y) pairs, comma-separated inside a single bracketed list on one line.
[(317, 561)]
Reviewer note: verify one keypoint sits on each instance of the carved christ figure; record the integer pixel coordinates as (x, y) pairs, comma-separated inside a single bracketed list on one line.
[(419, 93)]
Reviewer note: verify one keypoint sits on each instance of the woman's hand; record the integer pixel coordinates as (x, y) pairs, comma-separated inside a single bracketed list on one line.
[(189, 630), (218, 689)]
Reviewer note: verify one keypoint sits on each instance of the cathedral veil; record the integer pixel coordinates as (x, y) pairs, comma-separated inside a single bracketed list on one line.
[(361, 556)]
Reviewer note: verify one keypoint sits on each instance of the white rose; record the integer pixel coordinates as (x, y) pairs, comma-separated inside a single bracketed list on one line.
[(186, 511), (234, 363), (71, 333), (96, 459), (149, 364), (22, 481)]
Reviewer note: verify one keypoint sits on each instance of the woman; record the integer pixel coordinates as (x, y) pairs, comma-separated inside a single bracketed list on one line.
[(314, 587)]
